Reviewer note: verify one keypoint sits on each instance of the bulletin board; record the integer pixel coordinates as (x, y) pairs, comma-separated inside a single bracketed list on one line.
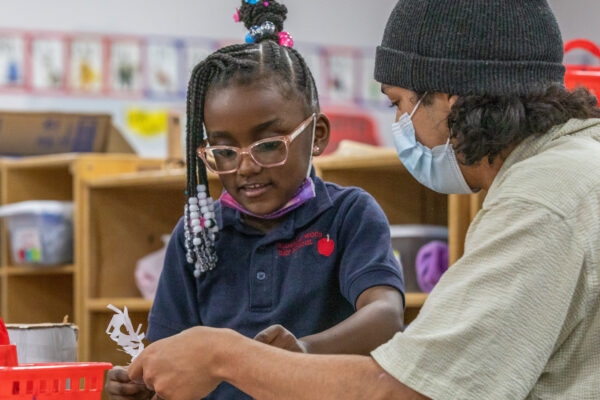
[(156, 68)]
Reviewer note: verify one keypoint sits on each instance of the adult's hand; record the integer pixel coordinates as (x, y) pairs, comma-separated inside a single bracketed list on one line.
[(180, 367)]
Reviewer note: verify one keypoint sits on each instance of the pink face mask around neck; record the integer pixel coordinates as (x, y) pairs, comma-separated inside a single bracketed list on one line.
[(304, 193)]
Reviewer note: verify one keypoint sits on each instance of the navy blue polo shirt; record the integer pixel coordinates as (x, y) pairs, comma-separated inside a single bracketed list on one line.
[(306, 274)]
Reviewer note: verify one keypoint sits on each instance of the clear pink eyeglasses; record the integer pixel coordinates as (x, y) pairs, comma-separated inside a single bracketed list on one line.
[(267, 153)]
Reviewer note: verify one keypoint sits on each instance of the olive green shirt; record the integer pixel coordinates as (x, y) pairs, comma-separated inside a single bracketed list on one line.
[(518, 316)]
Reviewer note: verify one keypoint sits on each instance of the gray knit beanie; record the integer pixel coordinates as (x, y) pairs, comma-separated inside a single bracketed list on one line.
[(496, 47)]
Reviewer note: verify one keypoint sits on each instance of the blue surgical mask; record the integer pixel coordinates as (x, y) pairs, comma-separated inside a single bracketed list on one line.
[(435, 168)]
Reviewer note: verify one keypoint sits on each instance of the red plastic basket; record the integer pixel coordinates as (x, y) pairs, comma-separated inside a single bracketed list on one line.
[(80, 381), (69, 381), (583, 75)]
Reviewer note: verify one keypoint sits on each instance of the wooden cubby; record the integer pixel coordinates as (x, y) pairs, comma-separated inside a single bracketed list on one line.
[(123, 218), (123, 204), (36, 294), (401, 197)]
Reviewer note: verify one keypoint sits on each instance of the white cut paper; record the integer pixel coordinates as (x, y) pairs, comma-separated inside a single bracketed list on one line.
[(130, 341)]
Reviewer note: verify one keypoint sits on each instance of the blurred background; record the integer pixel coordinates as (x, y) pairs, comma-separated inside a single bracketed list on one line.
[(101, 80), (131, 59)]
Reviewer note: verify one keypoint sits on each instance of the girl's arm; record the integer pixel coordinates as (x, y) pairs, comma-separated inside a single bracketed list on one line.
[(379, 315)]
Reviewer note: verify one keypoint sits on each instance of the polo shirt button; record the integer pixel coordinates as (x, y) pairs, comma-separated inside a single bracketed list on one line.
[(261, 276)]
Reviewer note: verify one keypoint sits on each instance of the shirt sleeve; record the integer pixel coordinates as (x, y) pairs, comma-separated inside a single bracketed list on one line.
[(368, 259), (175, 307), (490, 325)]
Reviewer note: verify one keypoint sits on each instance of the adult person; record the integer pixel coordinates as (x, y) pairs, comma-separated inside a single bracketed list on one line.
[(481, 105)]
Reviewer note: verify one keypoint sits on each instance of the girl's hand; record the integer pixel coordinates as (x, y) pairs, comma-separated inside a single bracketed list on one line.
[(120, 387), (278, 336)]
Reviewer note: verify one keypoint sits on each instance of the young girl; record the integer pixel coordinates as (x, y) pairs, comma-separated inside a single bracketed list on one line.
[(283, 255)]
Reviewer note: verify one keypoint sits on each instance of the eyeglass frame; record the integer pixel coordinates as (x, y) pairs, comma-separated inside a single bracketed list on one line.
[(286, 139)]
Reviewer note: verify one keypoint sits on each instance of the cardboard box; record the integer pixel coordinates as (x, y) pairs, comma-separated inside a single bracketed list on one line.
[(39, 133), (44, 343)]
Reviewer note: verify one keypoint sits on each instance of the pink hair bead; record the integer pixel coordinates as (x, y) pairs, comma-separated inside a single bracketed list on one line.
[(236, 15), (285, 39), (266, 3)]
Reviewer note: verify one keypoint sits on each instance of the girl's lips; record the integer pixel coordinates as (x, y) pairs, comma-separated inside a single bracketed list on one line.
[(254, 190)]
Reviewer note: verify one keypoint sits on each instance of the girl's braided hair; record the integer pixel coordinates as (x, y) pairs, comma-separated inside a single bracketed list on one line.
[(240, 64)]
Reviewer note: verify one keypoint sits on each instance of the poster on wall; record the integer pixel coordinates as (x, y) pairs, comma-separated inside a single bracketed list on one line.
[(86, 66), (341, 76), (12, 59), (370, 88), (196, 52), (48, 63), (312, 57), (125, 67), (163, 68)]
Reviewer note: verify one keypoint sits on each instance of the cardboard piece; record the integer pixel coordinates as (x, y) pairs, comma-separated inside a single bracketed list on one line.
[(44, 343), (39, 133)]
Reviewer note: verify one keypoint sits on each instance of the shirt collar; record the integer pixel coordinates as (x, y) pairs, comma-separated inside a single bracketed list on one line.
[(535, 144), (301, 216)]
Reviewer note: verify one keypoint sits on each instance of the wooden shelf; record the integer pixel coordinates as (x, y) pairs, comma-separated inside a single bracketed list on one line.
[(33, 270), (31, 298), (68, 159), (381, 174), (175, 177), (380, 158), (44, 162), (31, 294), (415, 300), (123, 216), (133, 304)]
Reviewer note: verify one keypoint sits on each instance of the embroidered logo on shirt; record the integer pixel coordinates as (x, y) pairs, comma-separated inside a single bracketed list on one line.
[(307, 239), (326, 246)]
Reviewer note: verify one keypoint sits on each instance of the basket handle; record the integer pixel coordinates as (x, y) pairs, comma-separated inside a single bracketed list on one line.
[(4, 339), (583, 44)]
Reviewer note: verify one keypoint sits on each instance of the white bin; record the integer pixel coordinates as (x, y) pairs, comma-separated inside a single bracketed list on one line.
[(44, 343), (41, 232)]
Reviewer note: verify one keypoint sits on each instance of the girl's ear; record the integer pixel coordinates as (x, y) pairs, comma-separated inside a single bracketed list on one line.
[(322, 131)]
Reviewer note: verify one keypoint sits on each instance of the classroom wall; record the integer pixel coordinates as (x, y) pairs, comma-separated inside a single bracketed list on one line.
[(578, 19), (332, 22)]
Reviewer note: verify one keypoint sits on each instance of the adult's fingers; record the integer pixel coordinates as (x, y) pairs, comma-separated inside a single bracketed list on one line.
[(135, 371)]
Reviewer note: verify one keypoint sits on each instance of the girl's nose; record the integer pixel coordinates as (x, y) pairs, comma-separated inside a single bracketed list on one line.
[(247, 165)]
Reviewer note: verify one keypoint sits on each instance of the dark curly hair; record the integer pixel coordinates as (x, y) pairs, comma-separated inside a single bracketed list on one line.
[(485, 126)]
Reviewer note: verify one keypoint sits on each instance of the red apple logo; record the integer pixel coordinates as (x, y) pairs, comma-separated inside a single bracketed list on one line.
[(325, 246)]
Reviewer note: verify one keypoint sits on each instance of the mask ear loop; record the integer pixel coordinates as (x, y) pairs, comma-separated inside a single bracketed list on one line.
[(448, 144), (312, 145), (417, 106)]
